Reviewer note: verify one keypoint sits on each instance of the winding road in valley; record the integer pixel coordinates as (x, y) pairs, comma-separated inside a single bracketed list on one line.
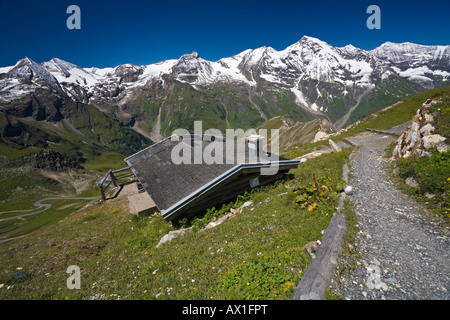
[(42, 206)]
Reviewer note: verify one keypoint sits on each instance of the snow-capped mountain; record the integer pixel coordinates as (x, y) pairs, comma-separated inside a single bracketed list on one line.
[(308, 78), (424, 65)]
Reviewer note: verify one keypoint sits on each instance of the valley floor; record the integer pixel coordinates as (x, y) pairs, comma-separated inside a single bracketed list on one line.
[(402, 253)]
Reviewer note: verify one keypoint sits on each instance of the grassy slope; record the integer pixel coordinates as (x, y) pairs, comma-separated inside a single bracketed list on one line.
[(105, 162), (84, 133), (390, 117), (389, 91), (21, 187), (257, 254), (221, 106)]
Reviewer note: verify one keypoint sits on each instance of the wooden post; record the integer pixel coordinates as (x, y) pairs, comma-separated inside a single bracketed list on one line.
[(113, 178), (102, 193)]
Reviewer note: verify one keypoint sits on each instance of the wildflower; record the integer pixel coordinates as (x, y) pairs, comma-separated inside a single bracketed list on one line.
[(289, 284), (145, 291), (426, 202), (248, 283), (243, 261), (92, 287)]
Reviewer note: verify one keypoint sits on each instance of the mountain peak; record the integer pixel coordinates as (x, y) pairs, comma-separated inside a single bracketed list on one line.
[(306, 38), (189, 56), (292, 69), (311, 40), (26, 61), (307, 41)]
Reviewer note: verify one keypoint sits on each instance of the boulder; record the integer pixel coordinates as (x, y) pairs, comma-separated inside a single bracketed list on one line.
[(319, 136), (428, 118), (432, 141), (442, 147), (348, 190), (427, 129), (334, 146), (171, 235)]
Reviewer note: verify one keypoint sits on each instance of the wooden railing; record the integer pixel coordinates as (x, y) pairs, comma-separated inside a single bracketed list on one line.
[(110, 180)]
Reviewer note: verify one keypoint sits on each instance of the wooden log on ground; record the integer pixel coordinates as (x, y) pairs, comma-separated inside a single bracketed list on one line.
[(321, 270)]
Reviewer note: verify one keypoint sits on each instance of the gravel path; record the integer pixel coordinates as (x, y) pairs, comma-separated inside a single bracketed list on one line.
[(403, 254)]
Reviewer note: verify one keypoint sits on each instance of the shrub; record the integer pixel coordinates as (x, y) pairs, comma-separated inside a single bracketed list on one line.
[(320, 192), (432, 175)]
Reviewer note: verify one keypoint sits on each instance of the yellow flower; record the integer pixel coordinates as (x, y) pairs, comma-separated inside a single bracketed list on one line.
[(289, 284), (426, 202), (92, 287), (145, 291), (243, 261), (248, 283)]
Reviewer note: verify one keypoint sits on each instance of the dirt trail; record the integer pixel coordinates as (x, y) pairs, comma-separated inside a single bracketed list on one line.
[(403, 254)]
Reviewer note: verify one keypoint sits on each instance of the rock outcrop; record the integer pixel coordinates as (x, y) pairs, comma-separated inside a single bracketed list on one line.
[(420, 139), (46, 160)]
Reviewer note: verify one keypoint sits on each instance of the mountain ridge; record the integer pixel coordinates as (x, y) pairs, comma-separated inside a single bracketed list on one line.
[(307, 79)]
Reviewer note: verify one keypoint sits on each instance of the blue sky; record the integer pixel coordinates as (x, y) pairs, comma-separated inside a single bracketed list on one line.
[(142, 32)]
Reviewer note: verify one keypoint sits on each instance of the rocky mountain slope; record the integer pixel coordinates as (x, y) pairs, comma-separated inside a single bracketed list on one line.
[(308, 79), (295, 133)]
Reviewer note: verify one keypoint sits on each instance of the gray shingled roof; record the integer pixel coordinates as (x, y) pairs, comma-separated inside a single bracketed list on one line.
[(170, 185)]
